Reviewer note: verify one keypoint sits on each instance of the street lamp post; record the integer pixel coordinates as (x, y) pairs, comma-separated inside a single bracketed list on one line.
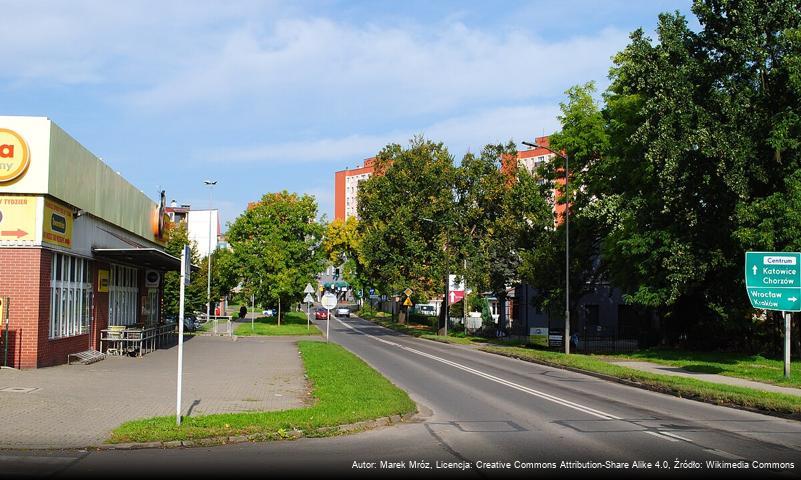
[(566, 337), (211, 185)]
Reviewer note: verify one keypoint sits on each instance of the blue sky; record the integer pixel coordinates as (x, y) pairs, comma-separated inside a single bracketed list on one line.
[(264, 96)]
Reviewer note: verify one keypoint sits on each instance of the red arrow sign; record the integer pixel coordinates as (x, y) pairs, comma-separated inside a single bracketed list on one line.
[(13, 233), (455, 296)]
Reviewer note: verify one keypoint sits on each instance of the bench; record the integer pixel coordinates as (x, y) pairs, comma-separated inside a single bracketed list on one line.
[(86, 357)]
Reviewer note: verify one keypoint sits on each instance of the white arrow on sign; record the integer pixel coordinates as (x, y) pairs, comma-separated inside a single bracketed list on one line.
[(453, 297), (755, 269), (792, 299)]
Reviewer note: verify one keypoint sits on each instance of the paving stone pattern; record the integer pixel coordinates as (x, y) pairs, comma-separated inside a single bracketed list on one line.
[(79, 405)]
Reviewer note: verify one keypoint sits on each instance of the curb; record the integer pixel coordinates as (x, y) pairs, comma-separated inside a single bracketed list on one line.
[(263, 437), (653, 388)]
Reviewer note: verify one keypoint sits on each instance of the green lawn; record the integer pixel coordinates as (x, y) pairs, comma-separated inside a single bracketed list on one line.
[(680, 386), (346, 390), (294, 323), (751, 367)]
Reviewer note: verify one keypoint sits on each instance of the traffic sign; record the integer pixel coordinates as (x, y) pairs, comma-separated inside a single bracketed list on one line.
[(408, 292), (408, 302), (455, 296), (308, 289), (773, 280), (329, 301), (308, 298)]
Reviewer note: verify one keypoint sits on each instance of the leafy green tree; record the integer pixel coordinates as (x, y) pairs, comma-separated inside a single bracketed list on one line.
[(704, 136), (501, 214), (342, 246), (195, 292), (276, 247), (584, 140), (406, 220)]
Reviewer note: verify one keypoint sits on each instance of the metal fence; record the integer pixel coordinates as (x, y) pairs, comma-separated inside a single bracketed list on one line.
[(605, 344)]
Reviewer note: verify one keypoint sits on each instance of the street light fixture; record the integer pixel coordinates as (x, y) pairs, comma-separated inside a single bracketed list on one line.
[(447, 275), (566, 337), (210, 184)]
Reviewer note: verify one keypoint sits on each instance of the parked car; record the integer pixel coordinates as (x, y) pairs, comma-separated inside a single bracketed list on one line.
[(321, 314), (190, 324), (342, 312), (269, 312)]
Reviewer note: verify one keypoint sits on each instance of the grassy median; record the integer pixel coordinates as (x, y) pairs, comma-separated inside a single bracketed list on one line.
[(772, 402), (345, 390), (294, 323), (750, 367)]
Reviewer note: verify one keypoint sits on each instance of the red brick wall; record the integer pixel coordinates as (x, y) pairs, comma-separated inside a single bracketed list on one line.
[(21, 281)]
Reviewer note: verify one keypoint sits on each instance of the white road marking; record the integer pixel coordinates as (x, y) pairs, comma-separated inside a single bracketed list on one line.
[(723, 454), (521, 388), (659, 435), (671, 434)]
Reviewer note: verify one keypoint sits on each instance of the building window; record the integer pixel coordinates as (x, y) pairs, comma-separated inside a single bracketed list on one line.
[(123, 290), (70, 296)]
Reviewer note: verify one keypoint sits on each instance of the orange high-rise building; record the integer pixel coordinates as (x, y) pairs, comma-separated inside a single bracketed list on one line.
[(346, 189)]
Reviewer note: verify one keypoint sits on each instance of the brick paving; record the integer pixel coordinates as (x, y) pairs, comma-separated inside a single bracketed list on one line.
[(79, 405)]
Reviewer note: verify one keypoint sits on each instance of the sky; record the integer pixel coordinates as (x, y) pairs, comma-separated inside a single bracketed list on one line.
[(264, 96)]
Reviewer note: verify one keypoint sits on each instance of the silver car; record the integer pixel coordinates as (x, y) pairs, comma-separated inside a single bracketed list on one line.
[(342, 312)]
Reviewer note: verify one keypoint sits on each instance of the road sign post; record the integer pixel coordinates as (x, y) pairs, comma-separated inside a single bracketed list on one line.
[(773, 282), (186, 265), (308, 300), (329, 301)]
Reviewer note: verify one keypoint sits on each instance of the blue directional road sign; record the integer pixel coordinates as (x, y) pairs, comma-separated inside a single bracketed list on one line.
[(773, 280)]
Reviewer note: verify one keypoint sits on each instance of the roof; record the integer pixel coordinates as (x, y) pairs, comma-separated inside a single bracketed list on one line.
[(141, 257)]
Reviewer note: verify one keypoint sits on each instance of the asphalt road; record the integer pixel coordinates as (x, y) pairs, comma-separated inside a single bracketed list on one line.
[(481, 416)]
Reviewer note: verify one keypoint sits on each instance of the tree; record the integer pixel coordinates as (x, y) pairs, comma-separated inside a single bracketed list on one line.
[(405, 216), (195, 292), (342, 245), (704, 135), (584, 140), (501, 213), (276, 247)]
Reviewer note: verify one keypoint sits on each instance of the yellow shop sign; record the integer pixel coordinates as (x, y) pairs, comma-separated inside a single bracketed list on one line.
[(57, 226)]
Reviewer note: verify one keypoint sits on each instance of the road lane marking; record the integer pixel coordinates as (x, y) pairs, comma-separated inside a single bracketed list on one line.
[(671, 434), (521, 388), (659, 435)]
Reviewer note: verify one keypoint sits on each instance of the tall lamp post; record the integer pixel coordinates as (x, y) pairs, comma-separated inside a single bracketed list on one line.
[(211, 185), (447, 275), (566, 338)]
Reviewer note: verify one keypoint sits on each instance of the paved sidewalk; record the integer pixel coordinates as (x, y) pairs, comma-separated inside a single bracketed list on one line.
[(707, 377), (79, 405)]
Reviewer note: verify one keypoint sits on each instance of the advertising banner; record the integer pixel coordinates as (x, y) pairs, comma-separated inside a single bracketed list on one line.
[(57, 224)]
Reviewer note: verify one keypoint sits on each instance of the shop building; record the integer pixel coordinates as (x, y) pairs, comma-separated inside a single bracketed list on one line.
[(81, 249)]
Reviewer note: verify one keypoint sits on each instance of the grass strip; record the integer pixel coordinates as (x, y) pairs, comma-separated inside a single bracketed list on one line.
[(345, 390), (294, 323), (719, 394), (750, 367)]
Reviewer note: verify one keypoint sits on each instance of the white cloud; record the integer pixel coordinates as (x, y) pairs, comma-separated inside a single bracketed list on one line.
[(459, 133)]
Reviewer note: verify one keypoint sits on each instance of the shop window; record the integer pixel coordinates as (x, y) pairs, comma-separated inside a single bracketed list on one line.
[(123, 291), (70, 296)]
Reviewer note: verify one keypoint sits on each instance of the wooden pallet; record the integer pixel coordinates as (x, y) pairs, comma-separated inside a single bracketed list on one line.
[(85, 358)]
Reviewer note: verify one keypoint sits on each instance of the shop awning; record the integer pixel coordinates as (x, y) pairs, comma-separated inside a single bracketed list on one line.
[(338, 284), (141, 257)]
